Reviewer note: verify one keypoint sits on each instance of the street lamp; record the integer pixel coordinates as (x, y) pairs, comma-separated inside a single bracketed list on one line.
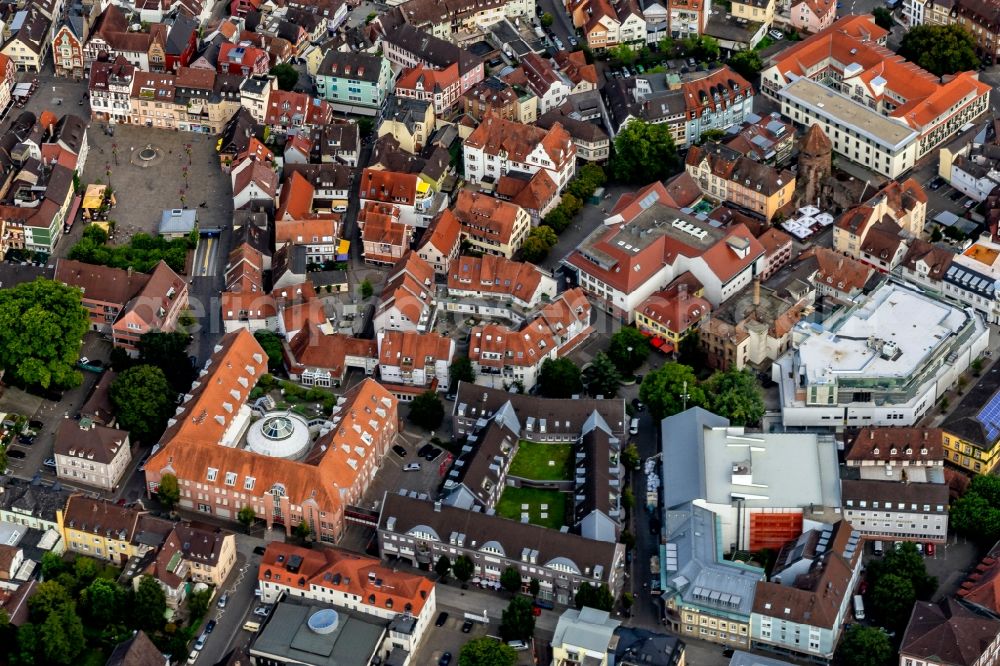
[(684, 396)]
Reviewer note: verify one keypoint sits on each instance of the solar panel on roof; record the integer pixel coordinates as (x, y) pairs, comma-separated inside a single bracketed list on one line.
[(649, 200), (989, 416)]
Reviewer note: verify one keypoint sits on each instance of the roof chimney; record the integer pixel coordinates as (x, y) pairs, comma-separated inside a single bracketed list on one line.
[(756, 292)]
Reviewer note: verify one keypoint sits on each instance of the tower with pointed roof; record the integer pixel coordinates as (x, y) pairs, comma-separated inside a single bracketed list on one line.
[(815, 167)]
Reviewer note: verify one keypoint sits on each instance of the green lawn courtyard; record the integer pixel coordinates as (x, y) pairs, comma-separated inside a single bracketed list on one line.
[(546, 508), (542, 462)]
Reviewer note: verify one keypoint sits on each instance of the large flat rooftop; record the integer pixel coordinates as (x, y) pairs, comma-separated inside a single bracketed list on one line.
[(843, 111), (892, 335)]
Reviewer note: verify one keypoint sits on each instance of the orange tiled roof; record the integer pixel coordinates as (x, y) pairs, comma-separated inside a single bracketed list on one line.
[(493, 274), (486, 217), (364, 577), (314, 228), (296, 198), (428, 79), (675, 309), (443, 233), (574, 65), (311, 348), (409, 286), (495, 135), (388, 186), (424, 349)]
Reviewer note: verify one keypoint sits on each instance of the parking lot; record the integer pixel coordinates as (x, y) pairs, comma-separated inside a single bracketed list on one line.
[(392, 477)]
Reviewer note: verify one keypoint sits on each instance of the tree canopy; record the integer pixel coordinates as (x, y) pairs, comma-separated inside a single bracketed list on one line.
[(486, 651), (537, 244), (883, 18), (663, 390), (511, 580), (518, 620), (746, 63), (142, 252), (628, 349), (271, 344), (940, 49), (976, 514), (461, 370), (895, 582), (864, 646), (150, 604), (644, 152), (287, 75), (41, 326), (169, 353), (169, 493), (143, 400), (734, 394), (559, 378), (427, 411), (592, 596), (462, 568), (602, 376)]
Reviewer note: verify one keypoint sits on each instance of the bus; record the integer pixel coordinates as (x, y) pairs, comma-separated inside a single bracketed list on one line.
[(859, 607)]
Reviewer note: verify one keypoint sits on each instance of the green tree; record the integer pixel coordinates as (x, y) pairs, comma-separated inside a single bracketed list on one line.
[(287, 75), (627, 539), (302, 531), (593, 174), (630, 456), (734, 394), (559, 378), (247, 516), (49, 597), (547, 20), (150, 605), (52, 565), (746, 63), (545, 234), (663, 390), (534, 587), (3, 459), (169, 493), (510, 579), (442, 567), (689, 351), (518, 620), (622, 54), (644, 152), (486, 651), (143, 400), (628, 499), (537, 244), (976, 514), (628, 349), (557, 219), (427, 410), (462, 567), (883, 18), (461, 370), (602, 376), (864, 646), (103, 601), (169, 353), (666, 46), (940, 49), (272, 346), (28, 644), (367, 289), (700, 48), (197, 603), (628, 600), (62, 636), (594, 597), (892, 599), (41, 326), (85, 569)]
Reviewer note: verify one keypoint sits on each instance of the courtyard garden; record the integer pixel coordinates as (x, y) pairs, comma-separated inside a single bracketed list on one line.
[(542, 462), (546, 508)]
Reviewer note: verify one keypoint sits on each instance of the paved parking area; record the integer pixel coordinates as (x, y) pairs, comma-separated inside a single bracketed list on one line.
[(448, 638), (391, 478)]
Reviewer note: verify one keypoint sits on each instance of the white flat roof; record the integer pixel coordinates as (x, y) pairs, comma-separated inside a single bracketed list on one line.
[(916, 324), (845, 112)]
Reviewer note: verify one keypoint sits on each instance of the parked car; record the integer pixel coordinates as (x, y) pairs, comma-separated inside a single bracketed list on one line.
[(411, 467), (969, 203), (445, 659), (14, 453), (467, 626), (223, 600), (261, 611), (399, 450), (441, 619), (572, 40), (210, 627), (920, 547), (27, 440), (431, 454), (937, 183), (776, 34), (637, 405), (35, 425), (930, 549), (259, 550), (50, 462), (200, 643)]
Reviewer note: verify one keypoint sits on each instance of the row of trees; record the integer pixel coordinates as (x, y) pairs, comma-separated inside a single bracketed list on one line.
[(80, 608), (674, 386), (142, 253), (627, 351)]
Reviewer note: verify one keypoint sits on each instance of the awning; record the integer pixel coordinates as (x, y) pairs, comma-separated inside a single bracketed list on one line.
[(343, 250)]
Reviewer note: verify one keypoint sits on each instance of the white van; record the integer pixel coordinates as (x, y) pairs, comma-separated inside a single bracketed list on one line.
[(879, 548), (252, 627), (633, 427), (859, 607)]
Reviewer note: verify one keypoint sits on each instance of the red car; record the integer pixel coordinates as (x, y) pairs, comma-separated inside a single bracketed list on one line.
[(930, 550)]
